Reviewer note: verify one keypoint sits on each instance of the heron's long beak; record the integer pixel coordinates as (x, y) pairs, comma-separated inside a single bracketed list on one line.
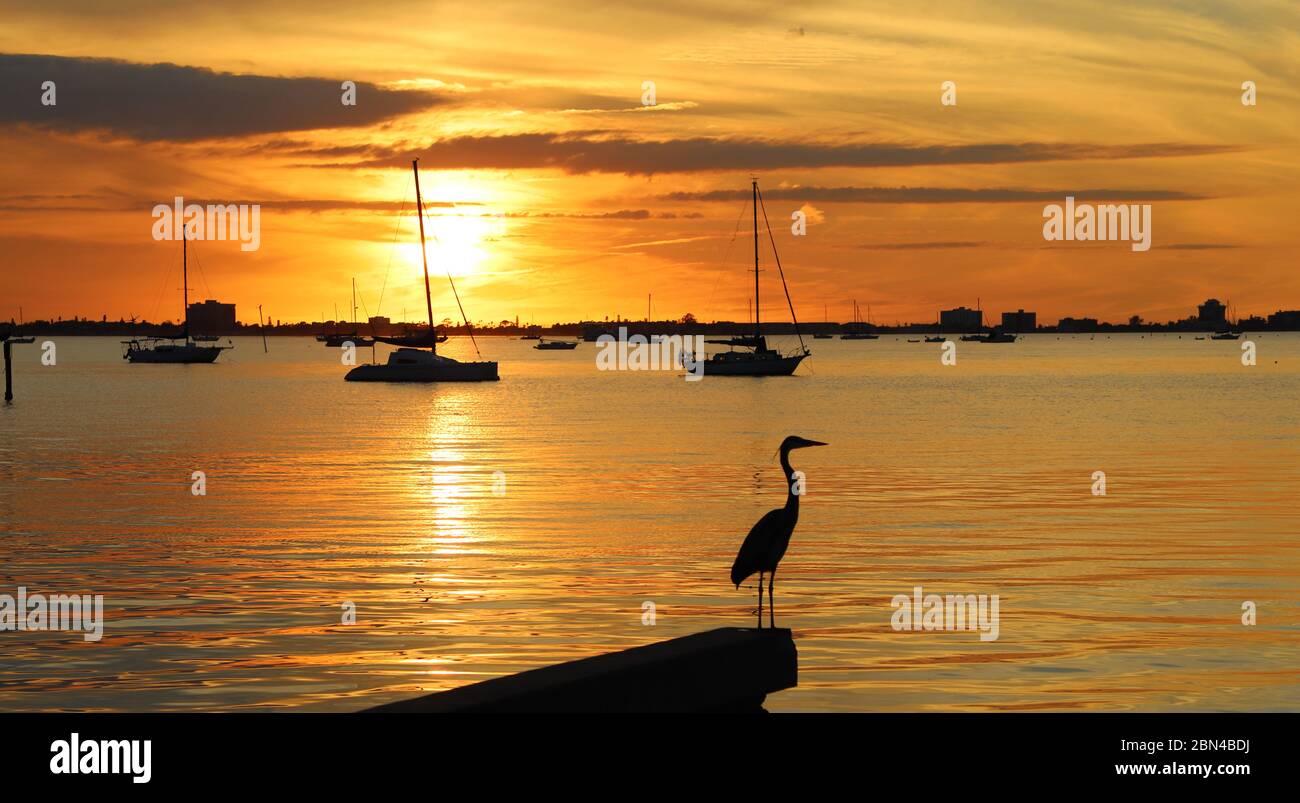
[(811, 443)]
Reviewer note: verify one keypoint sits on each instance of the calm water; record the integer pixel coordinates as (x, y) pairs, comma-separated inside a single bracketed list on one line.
[(627, 487)]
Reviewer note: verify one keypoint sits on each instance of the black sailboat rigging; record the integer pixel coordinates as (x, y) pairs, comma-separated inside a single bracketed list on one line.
[(166, 350), (756, 358), (410, 363)]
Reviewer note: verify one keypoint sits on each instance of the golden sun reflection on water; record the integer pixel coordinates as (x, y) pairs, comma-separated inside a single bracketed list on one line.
[(631, 487)]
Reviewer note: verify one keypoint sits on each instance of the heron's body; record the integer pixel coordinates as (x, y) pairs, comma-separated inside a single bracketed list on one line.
[(769, 539)]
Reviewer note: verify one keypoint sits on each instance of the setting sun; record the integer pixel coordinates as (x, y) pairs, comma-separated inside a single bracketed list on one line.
[(457, 244)]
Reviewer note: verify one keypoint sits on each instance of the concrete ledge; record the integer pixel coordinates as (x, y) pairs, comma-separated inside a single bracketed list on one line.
[(730, 669)]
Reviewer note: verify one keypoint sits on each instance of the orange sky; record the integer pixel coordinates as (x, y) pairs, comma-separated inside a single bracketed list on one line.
[(556, 195)]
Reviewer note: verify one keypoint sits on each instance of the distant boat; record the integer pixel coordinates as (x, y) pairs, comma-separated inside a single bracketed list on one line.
[(936, 339), (531, 337), (826, 319), (413, 340), (910, 340), (994, 336), (1224, 336), (167, 349), (335, 340), (555, 345), (758, 359), (857, 322), (409, 364)]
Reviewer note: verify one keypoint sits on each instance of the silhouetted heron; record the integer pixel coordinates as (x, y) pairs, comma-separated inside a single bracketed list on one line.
[(767, 541)]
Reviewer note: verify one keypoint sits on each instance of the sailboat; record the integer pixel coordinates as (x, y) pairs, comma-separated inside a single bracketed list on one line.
[(938, 325), (336, 340), (410, 362), (167, 349), (858, 334), (756, 359), (415, 340), (555, 345), (826, 319), (1226, 331)]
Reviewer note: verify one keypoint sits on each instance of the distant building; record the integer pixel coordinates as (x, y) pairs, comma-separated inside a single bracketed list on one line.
[(960, 319), (1077, 325), (381, 325), (1019, 321), (1284, 319), (212, 318), (1212, 312)]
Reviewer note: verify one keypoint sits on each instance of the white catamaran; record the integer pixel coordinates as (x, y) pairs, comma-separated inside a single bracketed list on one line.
[(181, 349), (411, 363)]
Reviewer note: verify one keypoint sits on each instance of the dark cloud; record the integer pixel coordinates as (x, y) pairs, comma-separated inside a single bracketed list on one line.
[(152, 102), (933, 195), (67, 203), (615, 154)]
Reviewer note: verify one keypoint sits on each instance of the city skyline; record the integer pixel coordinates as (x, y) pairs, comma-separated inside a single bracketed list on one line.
[(565, 184), (1019, 320)]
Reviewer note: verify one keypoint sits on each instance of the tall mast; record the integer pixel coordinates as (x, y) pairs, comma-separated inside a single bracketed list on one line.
[(354, 303), (185, 282), (428, 300), (758, 329)]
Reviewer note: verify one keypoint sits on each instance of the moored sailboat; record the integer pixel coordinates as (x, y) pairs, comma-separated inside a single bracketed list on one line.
[(337, 339), (757, 358), (411, 363), (555, 345), (860, 328), (188, 351)]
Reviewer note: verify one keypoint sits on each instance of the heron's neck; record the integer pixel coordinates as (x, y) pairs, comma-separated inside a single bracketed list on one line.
[(791, 498)]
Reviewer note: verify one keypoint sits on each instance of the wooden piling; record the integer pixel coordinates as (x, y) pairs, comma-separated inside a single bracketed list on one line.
[(9, 368)]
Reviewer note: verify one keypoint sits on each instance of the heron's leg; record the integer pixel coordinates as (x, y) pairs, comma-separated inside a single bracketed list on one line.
[(760, 600), (771, 606)]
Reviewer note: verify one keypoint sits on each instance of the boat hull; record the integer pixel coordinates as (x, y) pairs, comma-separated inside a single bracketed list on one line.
[(180, 355), (356, 340), (765, 366), (442, 372)]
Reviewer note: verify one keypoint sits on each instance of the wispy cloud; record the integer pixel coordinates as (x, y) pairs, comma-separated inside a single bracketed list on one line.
[(935, 195), (617, 154)]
